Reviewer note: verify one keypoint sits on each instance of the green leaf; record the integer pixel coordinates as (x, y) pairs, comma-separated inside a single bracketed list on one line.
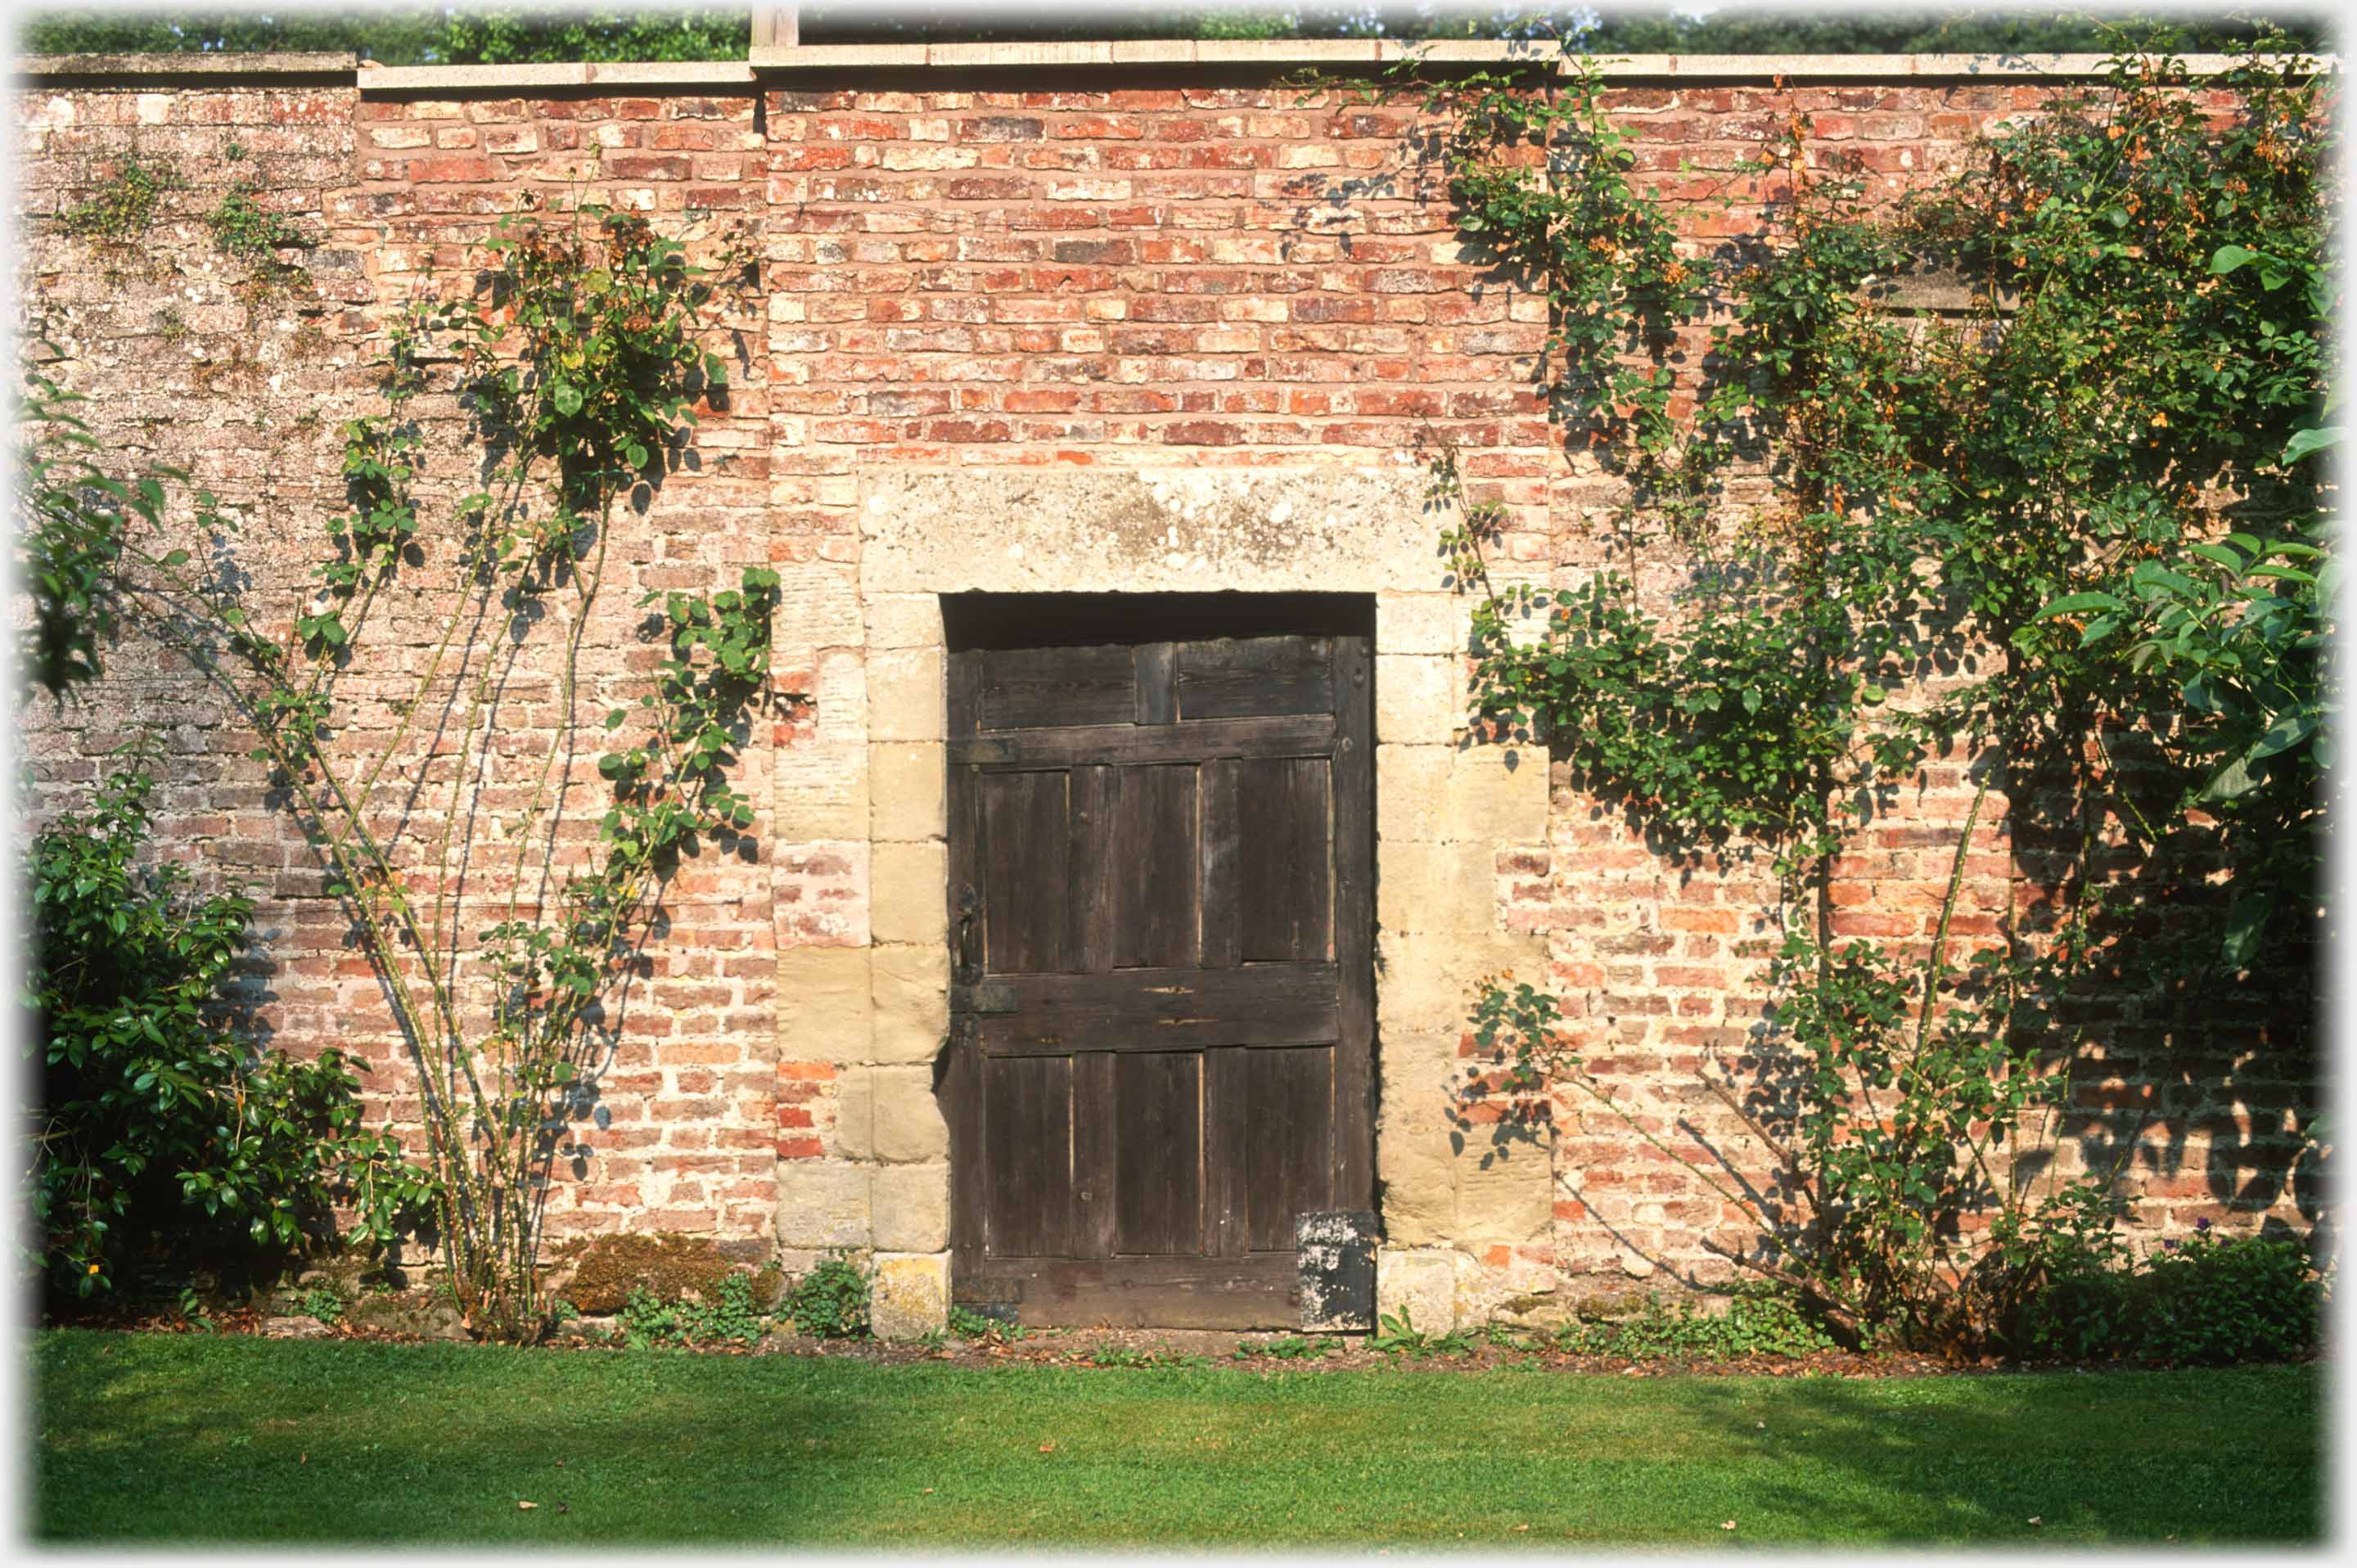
[(566, 397), (2287, 731), (2079, 604), (2307, 443), (2246, 921), (2229, 257)]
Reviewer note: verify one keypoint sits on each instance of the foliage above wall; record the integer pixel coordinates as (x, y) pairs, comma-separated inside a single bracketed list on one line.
[(468, 35), (439, 35)]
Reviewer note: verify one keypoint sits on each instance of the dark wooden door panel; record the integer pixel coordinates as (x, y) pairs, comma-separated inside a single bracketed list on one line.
[(1158, 1152), (1162, 997), (1026, 870), (1259, 1290), (1255, 675), (1153, 859), (1284, 833), (1027, 1112), (1029, 687), (1288, 1148)]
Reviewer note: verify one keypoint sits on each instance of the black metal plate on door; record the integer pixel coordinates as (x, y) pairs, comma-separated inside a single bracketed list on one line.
[(1338, 1270)]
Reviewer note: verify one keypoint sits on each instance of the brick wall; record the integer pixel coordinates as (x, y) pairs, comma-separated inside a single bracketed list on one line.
[(989, 274)]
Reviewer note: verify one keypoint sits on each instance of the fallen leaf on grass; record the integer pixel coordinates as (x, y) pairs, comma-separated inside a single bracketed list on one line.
[(1726, 1525), (2036, 1521), (1047, 1447), (521, 1504)]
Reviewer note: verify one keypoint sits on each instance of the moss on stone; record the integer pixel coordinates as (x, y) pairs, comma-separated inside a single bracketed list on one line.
[(667, 1266)]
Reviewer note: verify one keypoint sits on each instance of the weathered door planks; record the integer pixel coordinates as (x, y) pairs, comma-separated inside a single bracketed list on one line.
[(1162, 1000)]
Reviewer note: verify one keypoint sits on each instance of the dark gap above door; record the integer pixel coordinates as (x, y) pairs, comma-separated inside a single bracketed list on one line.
[(1077, 620)]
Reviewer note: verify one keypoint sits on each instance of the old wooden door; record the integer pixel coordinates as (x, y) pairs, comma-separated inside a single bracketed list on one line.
[(1162, 1009)]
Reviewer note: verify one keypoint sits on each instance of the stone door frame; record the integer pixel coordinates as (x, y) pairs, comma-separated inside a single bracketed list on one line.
[(1444, 813)]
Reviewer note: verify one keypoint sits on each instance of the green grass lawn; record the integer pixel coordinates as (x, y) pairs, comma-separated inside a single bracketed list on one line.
[(187, 1437)]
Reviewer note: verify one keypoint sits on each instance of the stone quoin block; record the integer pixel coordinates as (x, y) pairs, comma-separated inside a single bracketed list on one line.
[(911, 1001), (1419, 697), (909, 1122), (855, 1114), (904, 620), (905, 695), (1430, 887), (912, 1207), (1505, 1186), (1418, 1283), (1415, 1158), (823, 790), (908, 790), (1424, 982), (1422, 623), (909, 889), (911, 1296), (822, 1203), (823, 1004)]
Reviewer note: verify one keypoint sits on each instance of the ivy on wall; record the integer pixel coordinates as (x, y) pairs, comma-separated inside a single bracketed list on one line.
[(2077, 536)]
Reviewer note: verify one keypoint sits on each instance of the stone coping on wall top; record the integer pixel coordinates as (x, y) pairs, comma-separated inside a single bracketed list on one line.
[(109, 69), (1278, 54)]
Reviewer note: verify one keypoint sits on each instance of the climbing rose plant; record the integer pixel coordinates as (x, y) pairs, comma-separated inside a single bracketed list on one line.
[(577, 361), (2104, 472)]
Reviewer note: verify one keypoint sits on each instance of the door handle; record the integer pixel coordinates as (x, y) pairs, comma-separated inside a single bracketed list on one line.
[(969, 909)]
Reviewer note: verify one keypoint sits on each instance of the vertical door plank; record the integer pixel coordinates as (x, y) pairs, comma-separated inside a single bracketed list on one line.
[(1227, 1096), (1153, 826), (1285, 824), (1096, 869), (1026, 892), (1158, 684), (1221, 895), (1157, 1185), (1027, 1141), (1354, 922), (1288, 1139), (1095, 1172)]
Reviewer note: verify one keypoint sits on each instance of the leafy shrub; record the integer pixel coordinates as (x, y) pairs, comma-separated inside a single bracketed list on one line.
[(1288, 1347), (121, 209), (1756, 1322), (2207, 1301), (247, 232), (727, 1313), (155, 1120), (966, 1324), (1396, 1335), (830, 1301)]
